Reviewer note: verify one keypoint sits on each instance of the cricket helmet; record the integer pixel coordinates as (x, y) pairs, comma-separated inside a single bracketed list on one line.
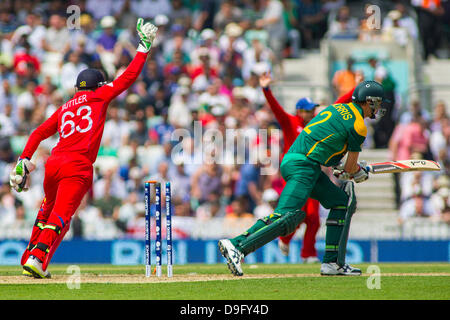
[(371, 92), (90, 79)]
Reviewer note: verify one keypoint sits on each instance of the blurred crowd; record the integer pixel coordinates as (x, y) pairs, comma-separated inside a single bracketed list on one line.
[(203, 69)]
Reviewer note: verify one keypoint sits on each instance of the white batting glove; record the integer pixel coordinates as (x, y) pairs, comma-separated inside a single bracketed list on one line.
[(147, 33), (362, 174), (18, 178), (340, 173)]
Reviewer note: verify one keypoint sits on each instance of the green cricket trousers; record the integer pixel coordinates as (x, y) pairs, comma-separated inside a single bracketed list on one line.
[(304, 179)]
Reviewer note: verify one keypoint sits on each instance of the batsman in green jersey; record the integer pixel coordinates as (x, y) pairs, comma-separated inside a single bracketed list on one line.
[(337, 130)]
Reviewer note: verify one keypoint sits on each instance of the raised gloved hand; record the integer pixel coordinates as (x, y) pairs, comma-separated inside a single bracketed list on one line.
[(147, 33), (18, 178)]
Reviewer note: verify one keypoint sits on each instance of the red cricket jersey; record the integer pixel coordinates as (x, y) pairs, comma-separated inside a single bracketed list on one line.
[(292, 125), (80, 121)]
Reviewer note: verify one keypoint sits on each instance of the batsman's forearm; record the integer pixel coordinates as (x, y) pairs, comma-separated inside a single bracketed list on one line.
[(351, 165)]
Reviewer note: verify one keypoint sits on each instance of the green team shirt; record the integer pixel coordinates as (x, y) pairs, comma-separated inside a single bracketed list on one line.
[(329, 135)]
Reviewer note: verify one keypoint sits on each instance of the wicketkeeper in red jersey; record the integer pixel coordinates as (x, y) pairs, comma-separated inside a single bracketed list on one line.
[(292, 125), (68, 171)]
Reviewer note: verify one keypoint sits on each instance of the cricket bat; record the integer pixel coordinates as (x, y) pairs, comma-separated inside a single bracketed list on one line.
[(403, 166)]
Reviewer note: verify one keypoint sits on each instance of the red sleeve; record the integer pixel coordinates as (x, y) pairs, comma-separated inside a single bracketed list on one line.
[(125, 80), (346, 98), (44, 131), (284, 118)]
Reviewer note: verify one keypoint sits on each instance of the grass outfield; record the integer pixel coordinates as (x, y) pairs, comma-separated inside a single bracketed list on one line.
[(213, 282)]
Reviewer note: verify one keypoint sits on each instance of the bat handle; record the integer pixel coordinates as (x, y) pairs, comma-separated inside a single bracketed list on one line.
[(369, 168)]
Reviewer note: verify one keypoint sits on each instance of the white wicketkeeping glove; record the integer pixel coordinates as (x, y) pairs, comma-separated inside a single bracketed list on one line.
[(18, 179), (147, 33)]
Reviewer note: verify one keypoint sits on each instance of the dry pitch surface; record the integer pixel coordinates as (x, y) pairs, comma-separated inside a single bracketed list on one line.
[(214, 282), (141, 279)]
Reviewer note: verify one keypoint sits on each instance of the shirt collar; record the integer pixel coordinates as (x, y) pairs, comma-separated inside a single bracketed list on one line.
[(359, 108)]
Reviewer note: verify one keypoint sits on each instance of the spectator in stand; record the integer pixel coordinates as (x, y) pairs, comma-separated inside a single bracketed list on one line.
[(117, 131), (180, 108), (414, 109), (101, 8), (70, 71), (106, 44), (257, 58), (441, 199), (239, 208), (439, 115), (181, 183), (344, 26), (269, 203), (205, 17), (180, 14), (7, 22), (313, 23), (346, 79), (404, 20), (416, 192), (205, 181), (85, 36), (162, 175), (207, 40), (394, 32), (410, 139), (429, 15), (148, 9), (213, 97), (164, 129), (34, 32), (248, 185), (232, 38), (24, 62), (290, 18), (273, 23), (227, 13), (109, 191), (57, 37), (210, 209), (440, 137)]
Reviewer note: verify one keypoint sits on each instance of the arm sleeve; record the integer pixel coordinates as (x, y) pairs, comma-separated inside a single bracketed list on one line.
[(282, 116), (346, 98), (355, 141), (125, 80), (44, 131)]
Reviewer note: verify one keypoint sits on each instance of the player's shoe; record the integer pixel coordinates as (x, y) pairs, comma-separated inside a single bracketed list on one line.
[(311, 260), (34, 266), (233, 256), (284, 248), (25, 273), (333, 269)]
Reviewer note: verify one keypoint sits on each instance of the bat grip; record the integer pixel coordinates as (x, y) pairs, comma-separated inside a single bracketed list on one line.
[(369, 168)]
